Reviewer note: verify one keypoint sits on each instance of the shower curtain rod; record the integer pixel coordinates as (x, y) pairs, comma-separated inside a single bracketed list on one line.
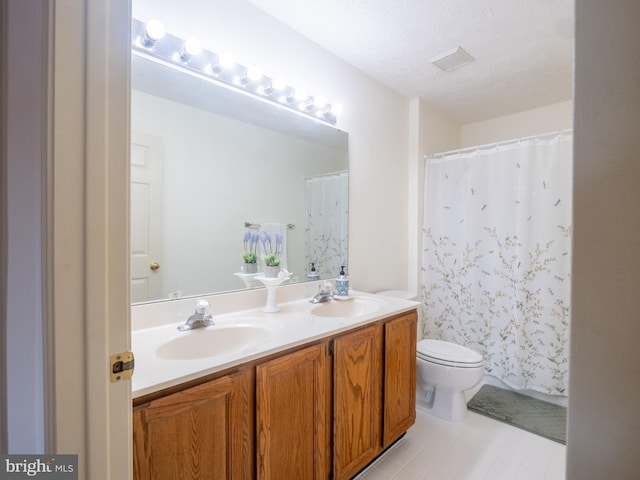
[(328, 174), (438, 156)]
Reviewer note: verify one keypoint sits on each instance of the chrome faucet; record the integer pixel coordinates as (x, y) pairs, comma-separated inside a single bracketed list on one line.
[(324, 295), (200, 318)]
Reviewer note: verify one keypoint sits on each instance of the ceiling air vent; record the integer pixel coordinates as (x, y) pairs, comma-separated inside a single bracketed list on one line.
[(452, 59)]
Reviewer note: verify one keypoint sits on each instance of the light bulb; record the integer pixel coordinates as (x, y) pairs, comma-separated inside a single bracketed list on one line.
[(226, 60), (154, 31), (319, 102), (254, 73), (276, 87), (278, 83), (300, 94), (336, 109), (191, 48)]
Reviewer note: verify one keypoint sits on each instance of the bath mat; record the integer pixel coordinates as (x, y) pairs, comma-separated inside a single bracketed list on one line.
[(536, 416)]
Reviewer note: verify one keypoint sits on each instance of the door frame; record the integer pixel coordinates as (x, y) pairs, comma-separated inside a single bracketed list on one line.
[(3, 219)]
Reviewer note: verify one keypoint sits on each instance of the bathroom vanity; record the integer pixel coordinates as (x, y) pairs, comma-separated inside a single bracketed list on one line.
[(321, 398)]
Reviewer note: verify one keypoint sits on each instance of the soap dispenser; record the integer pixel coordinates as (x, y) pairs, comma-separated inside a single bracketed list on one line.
[(342, 284), (313, 274)]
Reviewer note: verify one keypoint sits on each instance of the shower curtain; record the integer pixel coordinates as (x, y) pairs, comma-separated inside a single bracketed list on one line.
[(327, 210), (497, 257)]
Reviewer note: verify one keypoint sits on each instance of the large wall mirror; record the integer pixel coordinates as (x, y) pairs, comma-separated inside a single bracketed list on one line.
[(210, 164)]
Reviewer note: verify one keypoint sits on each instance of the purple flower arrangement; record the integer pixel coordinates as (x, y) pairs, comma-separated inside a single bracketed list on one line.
[(271, 255), (250, 247)]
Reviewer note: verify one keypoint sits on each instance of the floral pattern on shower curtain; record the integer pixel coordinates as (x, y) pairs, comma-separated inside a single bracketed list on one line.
[(327, 211), (497, 257)]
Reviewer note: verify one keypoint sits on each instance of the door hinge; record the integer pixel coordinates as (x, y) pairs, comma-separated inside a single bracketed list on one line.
[(121, 366), (330, 348)]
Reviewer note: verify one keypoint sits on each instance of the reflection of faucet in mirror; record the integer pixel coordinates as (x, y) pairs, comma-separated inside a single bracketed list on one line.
[(324, 295), (200, 318)]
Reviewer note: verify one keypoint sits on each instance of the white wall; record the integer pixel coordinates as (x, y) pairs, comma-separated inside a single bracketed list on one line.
[(25, 158), (604, 399), (375, 117), (550, 118)]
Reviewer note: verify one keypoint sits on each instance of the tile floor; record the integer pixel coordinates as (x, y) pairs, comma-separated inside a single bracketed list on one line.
[(478, 448)]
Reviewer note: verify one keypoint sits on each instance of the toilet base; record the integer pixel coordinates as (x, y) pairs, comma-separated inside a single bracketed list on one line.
[(443, 403)]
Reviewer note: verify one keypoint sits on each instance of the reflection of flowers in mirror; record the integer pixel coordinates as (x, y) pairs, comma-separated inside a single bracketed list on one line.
[(250, 247), (271, 255)]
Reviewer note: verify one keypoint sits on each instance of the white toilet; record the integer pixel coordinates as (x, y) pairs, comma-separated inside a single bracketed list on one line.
[(444, 371)]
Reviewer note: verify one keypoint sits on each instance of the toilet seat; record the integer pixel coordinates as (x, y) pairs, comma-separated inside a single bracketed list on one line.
[(448, 354)]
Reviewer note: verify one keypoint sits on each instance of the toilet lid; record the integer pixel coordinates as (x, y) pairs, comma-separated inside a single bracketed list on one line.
[(448, 353)]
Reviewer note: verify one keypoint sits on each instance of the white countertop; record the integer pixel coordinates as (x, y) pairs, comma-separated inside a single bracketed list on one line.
[(296, 326)]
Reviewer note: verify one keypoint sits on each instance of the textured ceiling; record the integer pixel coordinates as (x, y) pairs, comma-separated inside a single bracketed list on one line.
[(523, 49)]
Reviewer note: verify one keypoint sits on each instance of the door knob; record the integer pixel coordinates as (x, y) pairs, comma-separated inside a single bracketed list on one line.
[(154, 266)]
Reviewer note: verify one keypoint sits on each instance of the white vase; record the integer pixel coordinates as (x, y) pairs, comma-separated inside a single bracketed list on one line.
[(271, 271), (249, 268)]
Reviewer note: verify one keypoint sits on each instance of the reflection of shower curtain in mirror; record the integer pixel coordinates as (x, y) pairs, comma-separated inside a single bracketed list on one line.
[(327, 210), (496, 262)]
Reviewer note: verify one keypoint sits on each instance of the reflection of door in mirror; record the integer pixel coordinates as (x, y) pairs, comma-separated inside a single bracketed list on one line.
[(146, 205)]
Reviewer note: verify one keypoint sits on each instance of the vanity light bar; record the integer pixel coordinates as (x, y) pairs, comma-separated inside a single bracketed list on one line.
[(151, 41)]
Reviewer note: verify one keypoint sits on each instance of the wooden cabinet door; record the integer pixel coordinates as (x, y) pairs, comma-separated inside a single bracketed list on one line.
[(292, 415), (399, 377), (357, 397), (203, 432)]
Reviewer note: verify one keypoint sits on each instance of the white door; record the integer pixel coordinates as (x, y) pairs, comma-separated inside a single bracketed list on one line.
[(86, 289), (146, 214)]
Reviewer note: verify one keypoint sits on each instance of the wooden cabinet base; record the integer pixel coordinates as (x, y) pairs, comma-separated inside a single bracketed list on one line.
[(399, 377), (357, 377), (374, 381), (203, 432), (327, 408), (292, 416)]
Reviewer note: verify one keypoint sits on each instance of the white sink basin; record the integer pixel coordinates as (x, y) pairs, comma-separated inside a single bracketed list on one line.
[(349, 308), (219, 339)]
